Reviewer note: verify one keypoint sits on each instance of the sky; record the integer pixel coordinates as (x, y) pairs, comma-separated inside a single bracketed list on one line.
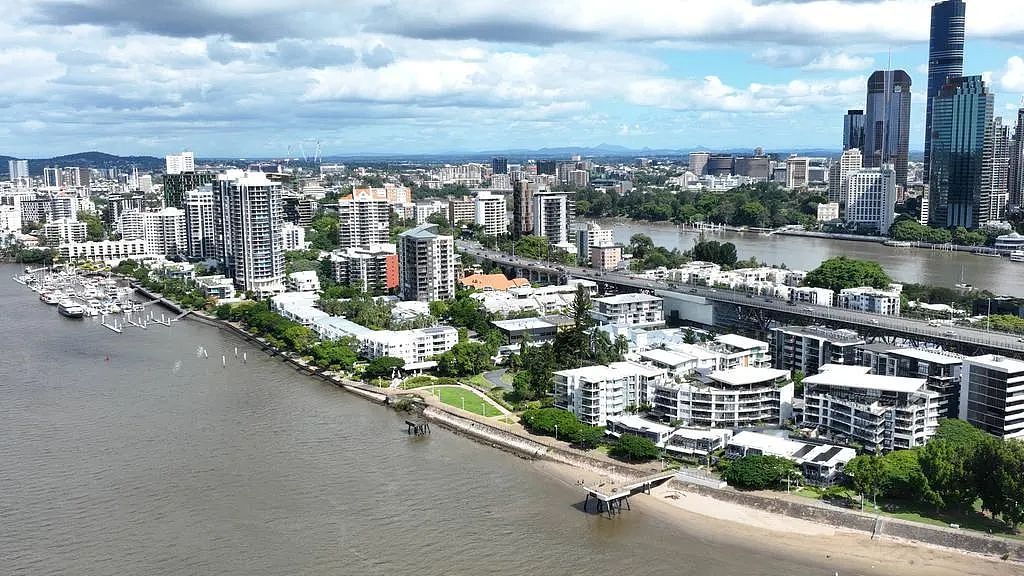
[(257, 78)]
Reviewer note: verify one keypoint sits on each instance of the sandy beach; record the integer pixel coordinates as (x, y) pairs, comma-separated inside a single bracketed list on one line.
[(775, 535)]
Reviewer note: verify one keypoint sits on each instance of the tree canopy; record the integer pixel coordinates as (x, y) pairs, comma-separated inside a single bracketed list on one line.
[(841, 272), (634, 449), (759, 472)]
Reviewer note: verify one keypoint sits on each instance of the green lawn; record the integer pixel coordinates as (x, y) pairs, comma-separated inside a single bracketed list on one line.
[(478, 381), (462, 398)]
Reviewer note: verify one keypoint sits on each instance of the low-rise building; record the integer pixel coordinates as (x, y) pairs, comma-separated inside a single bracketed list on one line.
[(62, 231), (216, 286), (636, 309), (596, 393), (417, 347), (108, 251), (828, 211), (807, 348), (820, 464), (735, 398), (874, 300), (879, 413), (304, 281), (679, 441), (992, 395), (814, 296), (293, 237), (298, 307), (536, 330), (486, 282), (606, 257)]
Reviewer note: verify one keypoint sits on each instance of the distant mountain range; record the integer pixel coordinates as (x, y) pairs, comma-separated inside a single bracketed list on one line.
[(88, 160)]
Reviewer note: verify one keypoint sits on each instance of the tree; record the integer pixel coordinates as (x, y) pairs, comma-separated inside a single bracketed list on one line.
[(868, 474), (798, 383), (339, 354), (841, 272), (721, 253), (382, 367), (947, 467), (1000, 477), (759, 472), (94, 230), (640, 245), (464, 359), (634, 448)]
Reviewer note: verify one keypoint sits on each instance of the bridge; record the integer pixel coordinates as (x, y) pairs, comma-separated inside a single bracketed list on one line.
[(742, 310)]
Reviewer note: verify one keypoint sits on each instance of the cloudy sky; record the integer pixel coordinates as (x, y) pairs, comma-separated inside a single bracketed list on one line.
[(253, 77)]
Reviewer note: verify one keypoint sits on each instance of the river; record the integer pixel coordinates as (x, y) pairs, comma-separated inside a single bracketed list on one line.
[(131, 454), (912, 265)]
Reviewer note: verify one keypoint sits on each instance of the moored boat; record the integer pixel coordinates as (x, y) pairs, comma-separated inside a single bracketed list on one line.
[(71, 309), (49, 298), (1017, 256)]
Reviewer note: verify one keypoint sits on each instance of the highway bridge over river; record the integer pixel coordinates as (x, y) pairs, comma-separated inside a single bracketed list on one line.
[(739, 310)]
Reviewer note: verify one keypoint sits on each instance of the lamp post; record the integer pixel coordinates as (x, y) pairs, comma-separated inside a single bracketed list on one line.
[(556, 432), (463, 402), (988, 318)]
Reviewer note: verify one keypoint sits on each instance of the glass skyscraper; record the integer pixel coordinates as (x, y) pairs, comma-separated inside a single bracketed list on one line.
[(945, 60), (961, 120), (887, 122)]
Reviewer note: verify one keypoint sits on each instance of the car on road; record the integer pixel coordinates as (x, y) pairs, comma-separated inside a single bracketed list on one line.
[(874, 320), (808, 309), (949, 332), (694, 290), (791, 303), (750, 295)]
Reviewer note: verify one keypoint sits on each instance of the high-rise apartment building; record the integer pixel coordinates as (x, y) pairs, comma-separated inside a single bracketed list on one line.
[(165, 232), (248, 215), (850, 161), (995, 166), (372, 268), (179, 163), (1015, 186), (945, 61), (961, 120), (200, 232), (363, 219), (992, 395), (176, 185), (853, 129), (522, 207), (490, 213), (553, 214), (17, 169), (871, 197), (461, 210), (887, 122), (426, 264), (51, 176), (589, 235), (808, 348)]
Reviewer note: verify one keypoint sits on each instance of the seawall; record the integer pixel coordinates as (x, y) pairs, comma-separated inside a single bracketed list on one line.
[(876, 526)]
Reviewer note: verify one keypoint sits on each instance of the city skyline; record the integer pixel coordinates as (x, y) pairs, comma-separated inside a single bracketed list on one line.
[(257, 79)]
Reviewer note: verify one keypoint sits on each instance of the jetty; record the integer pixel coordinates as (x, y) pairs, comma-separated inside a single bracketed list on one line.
[(610, 497)]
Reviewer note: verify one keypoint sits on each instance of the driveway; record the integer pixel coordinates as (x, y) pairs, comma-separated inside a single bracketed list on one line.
[(494, 377)]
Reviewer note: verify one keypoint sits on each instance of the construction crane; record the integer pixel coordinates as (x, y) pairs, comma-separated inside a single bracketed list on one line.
[(316, 155)]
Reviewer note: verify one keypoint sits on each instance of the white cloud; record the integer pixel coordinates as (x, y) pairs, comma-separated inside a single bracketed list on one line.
[(840, 61), (711, 94), (1011, 78)]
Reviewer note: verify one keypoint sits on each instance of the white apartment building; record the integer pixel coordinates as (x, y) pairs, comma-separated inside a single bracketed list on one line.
[(17, 170), (249, 215), (461, 210), (165, 232), (63, 231), (304, 281), (417, 347), (426, 264), (490, 213), (293, 237), (992, 395), (868, 299), (10, 219), (426, 209), (797, 172), (739, 397), (871, 197), (108, 251), (813, 296), (553, 214), (596, 393), (200, 233), (808, 348), (178, 163), (62, 206), (838, 180), (590, 234), (880, 413), (363, 220), (638, 310), (828, 212)]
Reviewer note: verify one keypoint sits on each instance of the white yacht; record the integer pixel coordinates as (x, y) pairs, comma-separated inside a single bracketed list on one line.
[(71, 309), (1017, 256)]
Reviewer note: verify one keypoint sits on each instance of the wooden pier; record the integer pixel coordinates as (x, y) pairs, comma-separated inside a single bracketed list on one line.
[(417, 428), (610, 497)]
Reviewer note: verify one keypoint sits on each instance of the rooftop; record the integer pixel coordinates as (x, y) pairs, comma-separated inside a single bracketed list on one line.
[(746, 375), (766, 443), (930, 356), (666, 357), (634, 422), (833, 335), (492, 282), (741, 342), (633, 298), (858, 380), (996, 362), (521, 324)]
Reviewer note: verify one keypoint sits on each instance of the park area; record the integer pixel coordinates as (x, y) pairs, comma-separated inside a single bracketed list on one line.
[(465, 399)]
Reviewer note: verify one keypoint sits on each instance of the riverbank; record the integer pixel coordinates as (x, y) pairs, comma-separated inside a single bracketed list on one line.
[(772, 521)]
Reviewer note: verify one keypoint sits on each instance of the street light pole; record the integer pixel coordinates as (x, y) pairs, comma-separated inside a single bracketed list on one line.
[(556, 432)]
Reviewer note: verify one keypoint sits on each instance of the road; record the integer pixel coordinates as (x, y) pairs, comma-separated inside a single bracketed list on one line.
[(918, 329)]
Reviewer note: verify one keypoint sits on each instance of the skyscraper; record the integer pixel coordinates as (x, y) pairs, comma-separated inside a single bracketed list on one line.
[(853, 129), (698, 161), (887, 122), (945, 60), (200, 232), (499, 165), (17, 169), (871, 197), (961, 118), (839, 174), (1016, 175), (178, 163), (363, 220), (248, 214), (995, 165)]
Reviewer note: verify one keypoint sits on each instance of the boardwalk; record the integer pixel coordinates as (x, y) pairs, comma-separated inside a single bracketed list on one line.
[(611, 496)]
